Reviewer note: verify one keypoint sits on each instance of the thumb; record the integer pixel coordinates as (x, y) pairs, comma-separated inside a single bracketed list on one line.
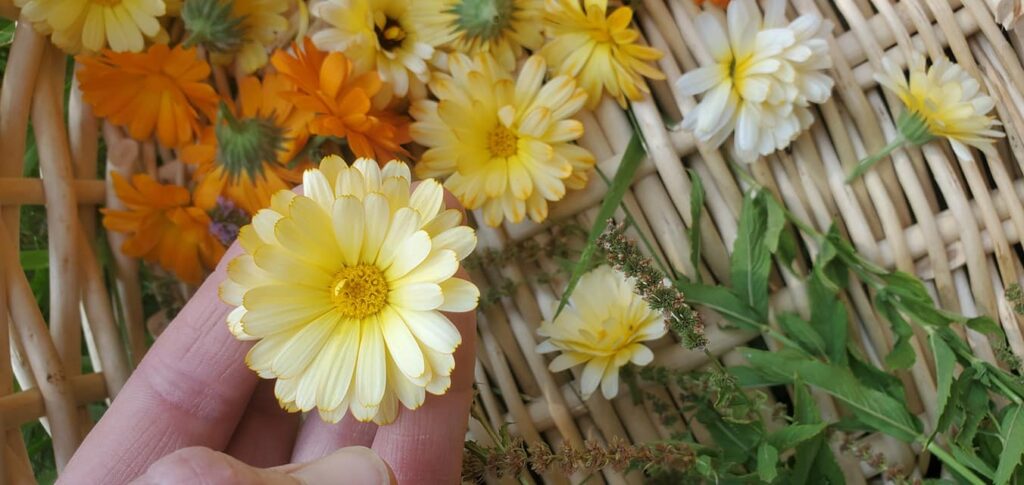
[(354, 465)]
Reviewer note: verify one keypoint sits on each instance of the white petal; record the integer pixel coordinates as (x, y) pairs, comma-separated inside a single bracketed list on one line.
[(402, 346), (699, 80), (432, 329), (416, 296), (459, 295), (371, 375)]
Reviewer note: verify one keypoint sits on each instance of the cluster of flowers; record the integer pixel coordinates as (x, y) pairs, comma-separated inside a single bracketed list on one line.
[(344, 287)]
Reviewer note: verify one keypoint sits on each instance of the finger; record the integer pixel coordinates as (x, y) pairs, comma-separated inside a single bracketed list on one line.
[(425, 445), (266, 434), (317, 438), (203, 465), (190, 389)]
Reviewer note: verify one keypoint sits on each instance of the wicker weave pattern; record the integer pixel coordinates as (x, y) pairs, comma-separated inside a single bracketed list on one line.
[(955, 223)]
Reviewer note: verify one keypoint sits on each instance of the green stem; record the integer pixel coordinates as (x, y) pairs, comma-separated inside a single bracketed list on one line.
[(949, 460), (870, 161)]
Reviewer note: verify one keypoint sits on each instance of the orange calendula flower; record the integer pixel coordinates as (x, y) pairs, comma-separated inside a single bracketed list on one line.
[(161, 90), (164, 228), (342, 101), (717, 3), (245, 156)]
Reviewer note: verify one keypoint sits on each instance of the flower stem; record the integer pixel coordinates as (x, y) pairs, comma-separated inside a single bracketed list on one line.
[(866, 164), (949, 460)]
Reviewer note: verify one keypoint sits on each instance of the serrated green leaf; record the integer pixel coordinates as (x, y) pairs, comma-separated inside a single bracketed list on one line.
[(803, 333), (805, 412), (631, 159), (750, 262), (945, 362), (902, 355), (723, 301), (972, 460), (876, 378), (767, 459), (696, 205), (750, 377), (874, 408), (1011, 428), (828, 317), (794, 434)]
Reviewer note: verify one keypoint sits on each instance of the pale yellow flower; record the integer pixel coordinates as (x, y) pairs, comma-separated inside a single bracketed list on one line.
[(263, 22), (93, 25), (602, 327), (381, 35), (502, 28), (939, 101), (599, 49), (502, 144), (765, 76), (344, 288)]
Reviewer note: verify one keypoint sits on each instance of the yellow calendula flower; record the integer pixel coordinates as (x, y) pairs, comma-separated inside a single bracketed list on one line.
[(502, 28), (598, 48), (344, 289), (502, 144), (381, 35), (121, 25), (603, 327), (940, 101)]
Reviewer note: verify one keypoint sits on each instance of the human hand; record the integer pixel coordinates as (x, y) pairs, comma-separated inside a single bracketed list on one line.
[(193, 389)]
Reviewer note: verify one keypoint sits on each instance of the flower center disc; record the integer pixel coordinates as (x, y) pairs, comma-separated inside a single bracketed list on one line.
[(390, 35), (359, 291), (502, 142)]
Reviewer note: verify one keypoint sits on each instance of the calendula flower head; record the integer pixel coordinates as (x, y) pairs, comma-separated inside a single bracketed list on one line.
[(941, 101), (603, 327), (262, 25), (161, 91), (502, 28), (766, 74), (163, 227), (249, 154), (344, 289), (341, 101), (599, 49), (92, 25), (501, 143), (380, 35), (212, 24)]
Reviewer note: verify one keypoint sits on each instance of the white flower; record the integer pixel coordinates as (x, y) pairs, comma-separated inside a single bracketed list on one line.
[(602, 326), (766, 75)]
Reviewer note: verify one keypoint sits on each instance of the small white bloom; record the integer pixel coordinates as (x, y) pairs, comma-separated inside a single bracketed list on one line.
[(767, 72), (603, 327)]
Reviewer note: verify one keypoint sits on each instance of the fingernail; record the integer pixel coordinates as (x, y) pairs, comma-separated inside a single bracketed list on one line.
[(354, 464)]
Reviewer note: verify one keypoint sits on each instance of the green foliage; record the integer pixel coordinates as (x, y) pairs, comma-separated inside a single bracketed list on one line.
[(631, 159), (696, 204)]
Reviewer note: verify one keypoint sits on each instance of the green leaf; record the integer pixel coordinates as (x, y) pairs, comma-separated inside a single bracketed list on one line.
[(775, 223), (34, 259), (984, 325), (750, 262), (805, 412), (902, 355), (737, 440), (945, 361), (767, 459), (696, 205), (794, 434), (750, 377), (874, 408), (620, 183), (803, 333), (1013, 445), (723, 301), (971, 459), (828, 316), (876, 378)]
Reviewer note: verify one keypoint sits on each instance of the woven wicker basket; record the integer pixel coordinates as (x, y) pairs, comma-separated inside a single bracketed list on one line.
[(954, 223)]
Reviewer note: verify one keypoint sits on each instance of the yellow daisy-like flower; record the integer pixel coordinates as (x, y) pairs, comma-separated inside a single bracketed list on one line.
[(381, 35), (502, 28), (600, 50), (262, 22), (344, 287), (503, 144), (603, 327), (95, 24), (940, 101)]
